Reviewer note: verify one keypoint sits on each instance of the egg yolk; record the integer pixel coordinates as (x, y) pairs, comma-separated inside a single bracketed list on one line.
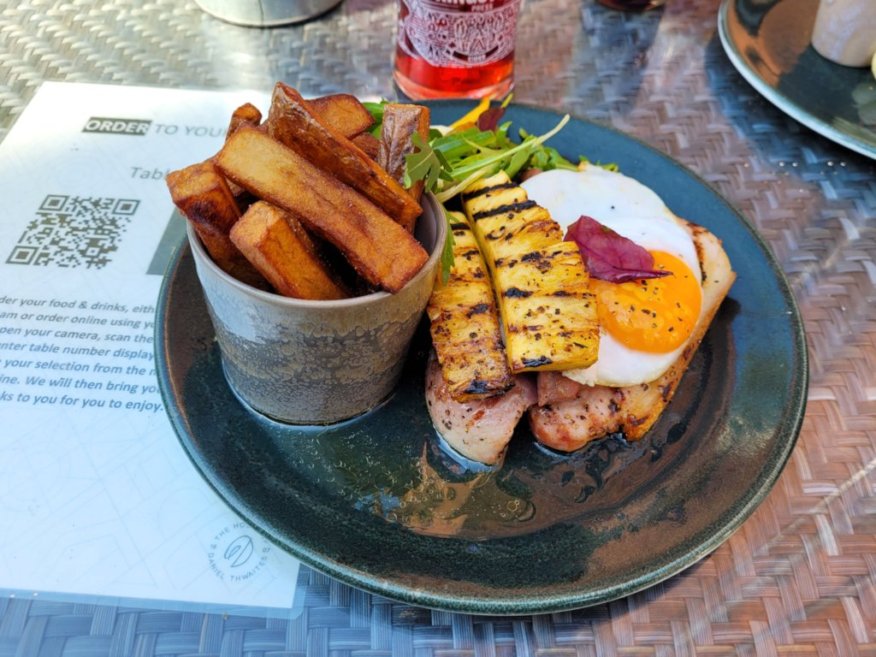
[(654, 315)]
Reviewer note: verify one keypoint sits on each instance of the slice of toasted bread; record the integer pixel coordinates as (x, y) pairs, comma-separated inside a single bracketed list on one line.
[(600, 410)]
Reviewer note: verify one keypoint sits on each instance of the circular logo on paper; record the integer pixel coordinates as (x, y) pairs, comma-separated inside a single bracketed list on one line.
[(237, 553)]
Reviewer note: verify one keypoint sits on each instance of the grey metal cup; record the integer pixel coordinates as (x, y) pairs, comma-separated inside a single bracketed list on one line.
[(317, 362)]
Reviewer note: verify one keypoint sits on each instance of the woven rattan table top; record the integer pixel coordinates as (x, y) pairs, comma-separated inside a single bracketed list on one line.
[(799, 577)]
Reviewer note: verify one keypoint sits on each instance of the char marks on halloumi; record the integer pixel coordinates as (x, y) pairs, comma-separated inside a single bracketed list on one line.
[(541, 284), (464, 323)]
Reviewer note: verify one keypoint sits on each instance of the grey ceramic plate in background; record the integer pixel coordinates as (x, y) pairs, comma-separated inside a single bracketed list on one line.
[(769, 44), (375, 502)]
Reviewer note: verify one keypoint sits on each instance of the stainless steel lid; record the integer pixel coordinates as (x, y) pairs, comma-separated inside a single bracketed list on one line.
[(265, 13)]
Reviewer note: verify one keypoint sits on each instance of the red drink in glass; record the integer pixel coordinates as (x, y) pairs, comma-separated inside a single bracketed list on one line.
[(456, 48)]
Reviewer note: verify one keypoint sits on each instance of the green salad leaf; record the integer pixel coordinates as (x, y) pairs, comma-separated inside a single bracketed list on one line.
[(425, 164), (471, 154), (450, 161), (447, 250), (375, 108)]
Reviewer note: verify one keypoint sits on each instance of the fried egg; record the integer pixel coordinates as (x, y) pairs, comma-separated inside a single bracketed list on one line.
[(644, 324)]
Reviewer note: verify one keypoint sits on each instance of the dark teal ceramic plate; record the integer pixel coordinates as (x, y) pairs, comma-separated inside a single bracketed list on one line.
[(376, 503), (768, 41)]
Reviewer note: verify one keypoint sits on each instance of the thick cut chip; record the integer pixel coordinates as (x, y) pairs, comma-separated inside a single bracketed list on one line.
[(383, 252), (203, 196), (343, 112), (279, 247), (400, 123), (246, 114), (294, 124), (368, 143)]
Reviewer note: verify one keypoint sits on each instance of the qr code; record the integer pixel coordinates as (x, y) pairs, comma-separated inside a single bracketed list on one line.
[(72, 231)]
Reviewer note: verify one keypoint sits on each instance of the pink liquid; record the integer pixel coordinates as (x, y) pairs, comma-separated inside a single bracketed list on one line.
[(459, 74), (420, 79)]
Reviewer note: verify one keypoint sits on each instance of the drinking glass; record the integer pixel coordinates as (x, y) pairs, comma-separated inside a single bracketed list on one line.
[(456, 48)]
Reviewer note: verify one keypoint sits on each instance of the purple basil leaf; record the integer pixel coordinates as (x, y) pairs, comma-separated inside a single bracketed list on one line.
[(609, 256), (489, 118)]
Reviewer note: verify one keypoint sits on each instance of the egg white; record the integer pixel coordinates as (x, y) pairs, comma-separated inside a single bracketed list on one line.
[(633, 210)]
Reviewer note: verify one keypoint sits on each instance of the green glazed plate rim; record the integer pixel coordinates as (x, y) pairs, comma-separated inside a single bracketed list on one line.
[(754, 357), (802, 90)]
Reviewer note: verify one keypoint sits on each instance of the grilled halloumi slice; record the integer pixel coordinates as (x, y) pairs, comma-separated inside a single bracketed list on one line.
[(464, 323), (541, 284)]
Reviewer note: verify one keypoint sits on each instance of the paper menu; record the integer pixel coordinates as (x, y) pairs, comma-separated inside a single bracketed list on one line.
[(98, 497)]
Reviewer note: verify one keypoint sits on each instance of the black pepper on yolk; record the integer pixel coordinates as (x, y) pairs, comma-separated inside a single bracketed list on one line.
[(654, 315)]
